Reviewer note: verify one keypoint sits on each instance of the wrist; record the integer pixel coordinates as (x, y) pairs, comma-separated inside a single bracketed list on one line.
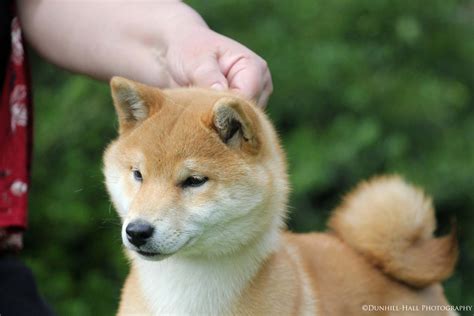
[(165, 22), (175, 30), (181, 19)]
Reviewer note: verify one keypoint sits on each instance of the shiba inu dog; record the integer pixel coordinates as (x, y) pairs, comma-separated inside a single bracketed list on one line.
[(200, 182)]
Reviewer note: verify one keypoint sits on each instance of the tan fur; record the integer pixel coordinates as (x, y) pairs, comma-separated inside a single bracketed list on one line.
[(392, 223), (380, 252)]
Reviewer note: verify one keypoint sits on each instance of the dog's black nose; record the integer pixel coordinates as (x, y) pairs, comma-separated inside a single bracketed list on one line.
[(138, 232)]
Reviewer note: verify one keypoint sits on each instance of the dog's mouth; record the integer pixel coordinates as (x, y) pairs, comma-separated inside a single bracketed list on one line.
[(152, 256), (156, 254), (148, 254)]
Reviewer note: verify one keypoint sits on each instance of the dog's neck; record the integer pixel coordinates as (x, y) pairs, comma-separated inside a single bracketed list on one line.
[(203, 286)]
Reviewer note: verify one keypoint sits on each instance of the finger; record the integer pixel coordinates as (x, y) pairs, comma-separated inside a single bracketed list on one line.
[(266, 91), (245, 77), (207, 74)]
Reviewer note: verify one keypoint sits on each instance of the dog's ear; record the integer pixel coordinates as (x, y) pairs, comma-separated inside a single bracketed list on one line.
[(134, 102), (236, 124)]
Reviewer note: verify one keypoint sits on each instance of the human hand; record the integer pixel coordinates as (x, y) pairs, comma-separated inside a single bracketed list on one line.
[(200, 57)]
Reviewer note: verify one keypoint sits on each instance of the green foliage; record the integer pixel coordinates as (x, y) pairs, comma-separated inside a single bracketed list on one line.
[(361, 88), (74, 244)]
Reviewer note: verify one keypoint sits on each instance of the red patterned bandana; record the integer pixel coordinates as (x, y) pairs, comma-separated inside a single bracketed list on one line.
[(15, 144)]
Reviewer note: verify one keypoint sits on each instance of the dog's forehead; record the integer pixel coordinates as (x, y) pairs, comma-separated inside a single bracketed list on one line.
[(175, 133)]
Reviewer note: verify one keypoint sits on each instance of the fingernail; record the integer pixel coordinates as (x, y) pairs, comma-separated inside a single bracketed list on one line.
[(217, 86)]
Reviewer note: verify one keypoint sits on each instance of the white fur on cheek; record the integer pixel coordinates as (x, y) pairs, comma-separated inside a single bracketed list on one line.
[(115, 182), (222, 219)]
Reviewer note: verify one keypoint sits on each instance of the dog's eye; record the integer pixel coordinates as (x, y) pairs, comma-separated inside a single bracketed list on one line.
[(137, 175), (194, 182)]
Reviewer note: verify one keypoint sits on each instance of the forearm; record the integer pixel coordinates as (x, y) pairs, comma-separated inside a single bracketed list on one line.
[(161, 43), (85, 37)]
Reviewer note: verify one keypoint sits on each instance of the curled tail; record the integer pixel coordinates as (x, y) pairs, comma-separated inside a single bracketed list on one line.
[(392, 224)]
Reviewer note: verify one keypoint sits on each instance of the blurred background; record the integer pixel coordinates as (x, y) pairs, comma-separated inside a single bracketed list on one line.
[(361, 88)]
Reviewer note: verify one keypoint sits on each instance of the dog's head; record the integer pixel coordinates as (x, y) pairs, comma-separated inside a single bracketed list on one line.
[(194, 172)]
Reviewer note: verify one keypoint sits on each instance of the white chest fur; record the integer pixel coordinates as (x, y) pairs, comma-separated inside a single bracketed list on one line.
[(198, 286)]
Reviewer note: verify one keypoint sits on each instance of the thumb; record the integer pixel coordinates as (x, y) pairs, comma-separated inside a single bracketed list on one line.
[(207, 74)]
